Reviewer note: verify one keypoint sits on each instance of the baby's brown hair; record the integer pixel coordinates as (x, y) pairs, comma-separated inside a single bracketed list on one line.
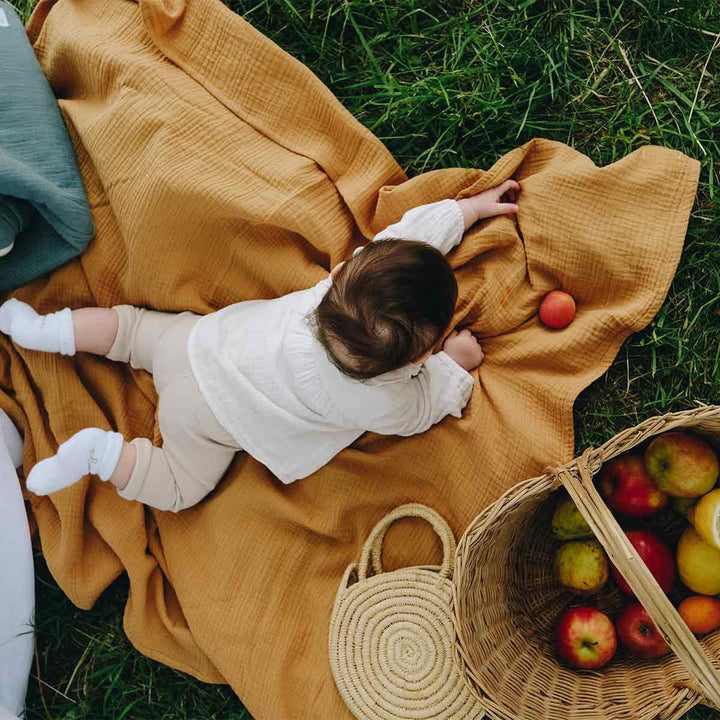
[(387, 306)]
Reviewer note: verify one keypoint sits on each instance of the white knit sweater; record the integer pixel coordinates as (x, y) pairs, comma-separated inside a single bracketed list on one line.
[(270, 383)]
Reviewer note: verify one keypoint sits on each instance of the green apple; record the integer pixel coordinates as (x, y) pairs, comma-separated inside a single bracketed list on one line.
[(568, 522), (682, 465), (581, 566)]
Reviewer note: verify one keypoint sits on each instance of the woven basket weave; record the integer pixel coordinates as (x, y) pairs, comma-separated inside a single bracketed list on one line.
[(506, 601), (392, 636)]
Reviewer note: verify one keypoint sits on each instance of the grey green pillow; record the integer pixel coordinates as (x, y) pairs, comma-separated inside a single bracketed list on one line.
[(44, 213), (15, 216)]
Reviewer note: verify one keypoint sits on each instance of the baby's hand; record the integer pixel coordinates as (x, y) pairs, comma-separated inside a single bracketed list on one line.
[(488, 204), (464, 349)]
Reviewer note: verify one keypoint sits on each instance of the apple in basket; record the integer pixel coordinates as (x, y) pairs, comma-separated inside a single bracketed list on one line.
[(638, 634), (585, 637), (655, 554), (628, 489), (682, 465)]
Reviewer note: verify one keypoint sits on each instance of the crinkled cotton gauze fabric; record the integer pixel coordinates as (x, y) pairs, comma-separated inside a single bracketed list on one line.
[(219, 169)]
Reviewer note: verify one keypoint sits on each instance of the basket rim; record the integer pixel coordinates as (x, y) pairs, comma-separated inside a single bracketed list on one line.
[(549, 479)]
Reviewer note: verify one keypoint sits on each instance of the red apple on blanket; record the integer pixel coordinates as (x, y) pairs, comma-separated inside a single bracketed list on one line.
[(585, 637), (628, 489), (557, 309), (682, 465), (638, 634), (655, 554)]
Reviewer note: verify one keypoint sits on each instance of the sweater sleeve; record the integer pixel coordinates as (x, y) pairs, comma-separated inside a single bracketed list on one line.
[(441, 388), (439, 224)]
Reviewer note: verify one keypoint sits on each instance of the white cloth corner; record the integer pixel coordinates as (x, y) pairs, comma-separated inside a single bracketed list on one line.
[(17, 583)]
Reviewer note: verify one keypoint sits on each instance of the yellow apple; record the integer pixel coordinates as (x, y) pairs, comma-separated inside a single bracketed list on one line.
[(682, 465)]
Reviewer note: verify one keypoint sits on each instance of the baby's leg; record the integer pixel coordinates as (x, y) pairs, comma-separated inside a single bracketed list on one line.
[(123, 333), (195, 455), (196, 449), (90, 451), (179, 474), (47, 333), (94, 329), (66, 332), (140, 336)]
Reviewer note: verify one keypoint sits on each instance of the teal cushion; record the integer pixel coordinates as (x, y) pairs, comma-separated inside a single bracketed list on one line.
[(15, 216), (43, 206)]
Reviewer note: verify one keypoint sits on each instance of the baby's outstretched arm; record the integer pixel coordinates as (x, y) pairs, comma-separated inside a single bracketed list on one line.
[(489, 203), (442, 224), (443, 387)]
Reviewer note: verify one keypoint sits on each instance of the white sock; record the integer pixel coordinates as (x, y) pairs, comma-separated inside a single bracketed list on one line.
[(89, 452), (48, 333)]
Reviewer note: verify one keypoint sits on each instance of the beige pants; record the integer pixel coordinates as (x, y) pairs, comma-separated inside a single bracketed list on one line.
[(196, 449)]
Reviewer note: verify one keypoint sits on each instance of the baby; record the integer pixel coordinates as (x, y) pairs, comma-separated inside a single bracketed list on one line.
[(292, 380)]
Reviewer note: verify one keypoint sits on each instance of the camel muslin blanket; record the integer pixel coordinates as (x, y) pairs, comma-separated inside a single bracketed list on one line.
[(220, 169)]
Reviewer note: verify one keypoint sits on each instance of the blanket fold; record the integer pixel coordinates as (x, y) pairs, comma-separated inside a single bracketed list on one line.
[(220, 169)]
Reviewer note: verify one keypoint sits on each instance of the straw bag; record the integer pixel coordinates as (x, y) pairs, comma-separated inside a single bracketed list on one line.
[(506, 601), (392, 637)]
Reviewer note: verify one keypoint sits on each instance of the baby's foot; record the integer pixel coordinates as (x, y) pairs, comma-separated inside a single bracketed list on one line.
[(47, 333), (90, 451), (10, 309)]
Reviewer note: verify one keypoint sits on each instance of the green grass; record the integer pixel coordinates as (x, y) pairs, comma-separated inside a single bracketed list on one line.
[(451, 83)]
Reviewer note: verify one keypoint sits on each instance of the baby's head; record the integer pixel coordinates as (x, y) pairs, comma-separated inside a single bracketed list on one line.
[(387, 307)]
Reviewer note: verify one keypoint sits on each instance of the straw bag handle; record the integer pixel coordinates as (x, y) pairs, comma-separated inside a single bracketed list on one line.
[(372, 549), (624, 556)]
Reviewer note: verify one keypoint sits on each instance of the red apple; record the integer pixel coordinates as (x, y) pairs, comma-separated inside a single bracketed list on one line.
[(628, 489), (585, 637), (655, 554), (638, 634), (557, 309)]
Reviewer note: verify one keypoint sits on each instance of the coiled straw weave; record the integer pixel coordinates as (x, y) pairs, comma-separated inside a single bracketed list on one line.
[(506, 601), (392, 636)]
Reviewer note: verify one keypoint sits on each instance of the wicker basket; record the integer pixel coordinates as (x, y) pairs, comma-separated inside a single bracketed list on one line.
[(506, 601)]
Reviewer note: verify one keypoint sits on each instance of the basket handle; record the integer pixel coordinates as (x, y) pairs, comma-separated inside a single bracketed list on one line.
[(373, 545), (624, 556)]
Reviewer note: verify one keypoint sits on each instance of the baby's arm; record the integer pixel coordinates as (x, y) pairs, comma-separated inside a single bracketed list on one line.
[(489, 203), (463, 347), (442, 224), (443, 387)]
